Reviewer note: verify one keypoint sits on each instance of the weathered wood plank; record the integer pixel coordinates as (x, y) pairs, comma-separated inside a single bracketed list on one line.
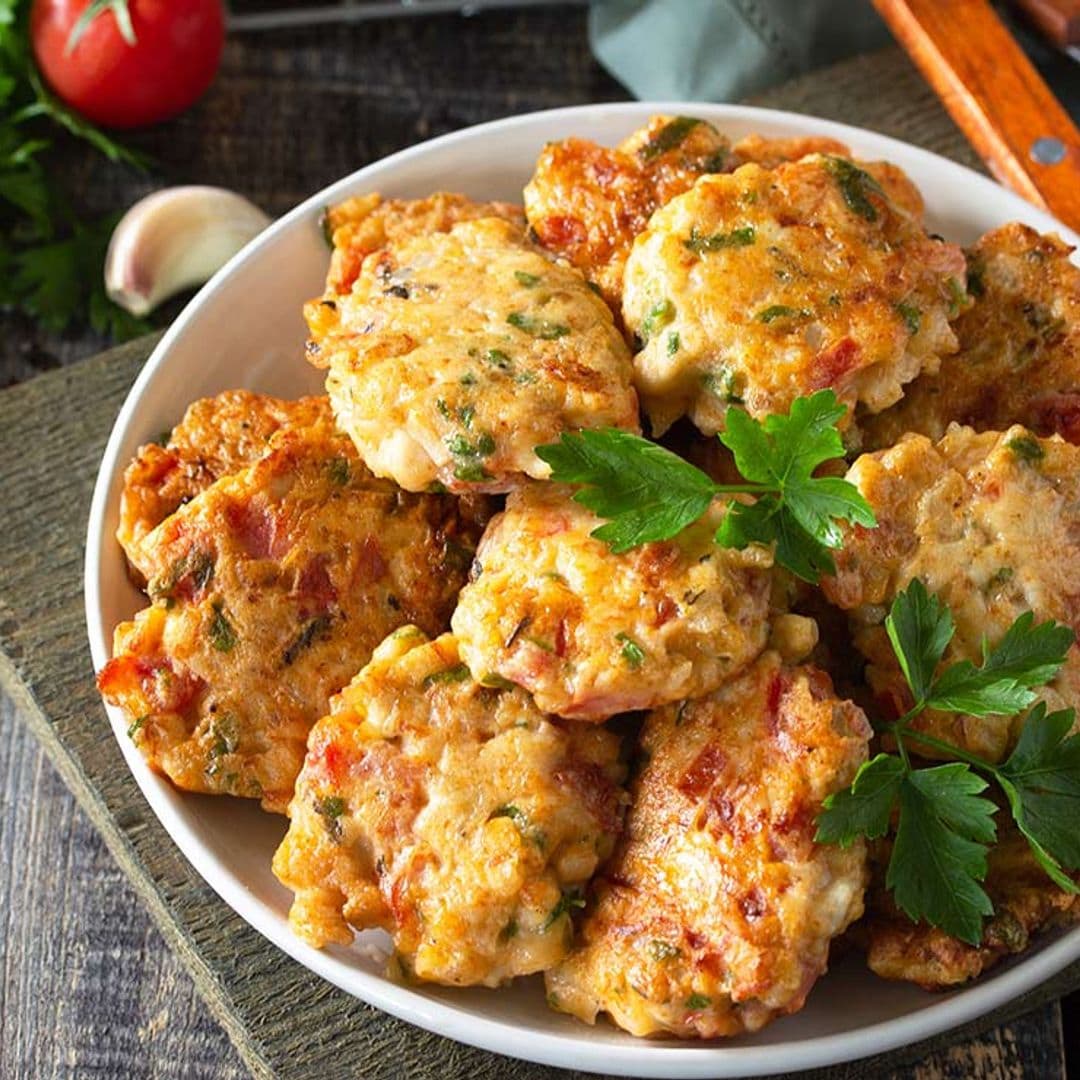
[(87, 982), (881, 91)]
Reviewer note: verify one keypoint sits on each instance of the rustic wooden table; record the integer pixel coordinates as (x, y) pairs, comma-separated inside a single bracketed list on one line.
[(89, 986)]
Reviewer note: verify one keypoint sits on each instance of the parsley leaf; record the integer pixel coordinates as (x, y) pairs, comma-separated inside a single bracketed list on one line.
[(1041, 780), (537, 327), (939, 856), (632, 653), (222, 633), (668, 137), (786, 448), (968, 689), (856, 186), (50, 261), (764, 522), (1030, 654), (782, 453), (919, 626), (865, 808), (570, 899), (649, 493), (703, 244), (1026, 656), (944, 821)]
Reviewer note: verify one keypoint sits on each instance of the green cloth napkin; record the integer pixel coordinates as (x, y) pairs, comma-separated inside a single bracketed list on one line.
[(722, 50)]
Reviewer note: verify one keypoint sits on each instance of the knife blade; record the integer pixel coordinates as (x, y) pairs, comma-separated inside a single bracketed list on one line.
[(347, 12)]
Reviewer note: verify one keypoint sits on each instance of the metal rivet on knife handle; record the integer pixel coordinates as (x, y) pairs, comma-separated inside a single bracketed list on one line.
[(1047, 151)]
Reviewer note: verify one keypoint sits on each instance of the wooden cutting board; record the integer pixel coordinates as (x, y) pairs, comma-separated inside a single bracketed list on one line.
[(284, 1021)]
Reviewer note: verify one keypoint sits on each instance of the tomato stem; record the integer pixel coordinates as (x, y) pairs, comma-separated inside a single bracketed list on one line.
[(95, 10)]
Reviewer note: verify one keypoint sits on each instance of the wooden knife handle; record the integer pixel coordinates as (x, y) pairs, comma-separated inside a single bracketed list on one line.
[(1059, 20), (996, 97)]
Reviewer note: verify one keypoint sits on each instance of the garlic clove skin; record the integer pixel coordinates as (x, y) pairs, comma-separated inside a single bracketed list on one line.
[(175, 239)]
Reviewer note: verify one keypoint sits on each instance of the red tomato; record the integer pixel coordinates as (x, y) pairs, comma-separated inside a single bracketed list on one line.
[(175, 56)]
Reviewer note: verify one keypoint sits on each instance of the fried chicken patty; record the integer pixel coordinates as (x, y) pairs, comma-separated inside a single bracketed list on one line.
[(269, 590), (456, 354), (716, 912), (459, 818), (1025, 902), (590, 633), (986, 521), (768, 153), (587, 202), (1019, 358), (217, 436), (763, 285), (367, 223)]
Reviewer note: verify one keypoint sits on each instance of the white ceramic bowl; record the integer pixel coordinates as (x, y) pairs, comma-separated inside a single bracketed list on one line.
[(244, 329)]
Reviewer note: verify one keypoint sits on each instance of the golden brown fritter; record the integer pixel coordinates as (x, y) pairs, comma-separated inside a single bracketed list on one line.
[(217, 436), (1019, 358), (770, 153), (590, 633), (459, 818), (367, 223), (1025, 902), (900, 189), (587, 202), (986, 521), (716, 913), (269, 590), (763, 285), (456, 354)]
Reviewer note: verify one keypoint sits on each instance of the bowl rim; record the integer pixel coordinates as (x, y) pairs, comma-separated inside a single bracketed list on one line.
[(575, 1049)]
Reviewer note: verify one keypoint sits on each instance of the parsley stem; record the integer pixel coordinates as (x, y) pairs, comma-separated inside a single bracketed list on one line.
[(753, 489), (899, 731), (945, 747), (901, 749), (900, 726)]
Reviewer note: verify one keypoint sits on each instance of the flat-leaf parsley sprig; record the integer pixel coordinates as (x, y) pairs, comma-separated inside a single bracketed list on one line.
[(944, 822), (648, 493), (50, 259)]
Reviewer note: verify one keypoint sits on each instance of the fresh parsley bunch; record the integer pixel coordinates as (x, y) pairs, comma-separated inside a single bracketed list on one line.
[(50, 260), (648, 493), (944, 823)]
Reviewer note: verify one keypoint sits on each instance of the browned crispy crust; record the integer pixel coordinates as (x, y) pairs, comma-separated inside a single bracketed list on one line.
[(768, 153), (716, 913), (1025, 901), (216, 437), (367, 223), (587, 202), (269, 590), (1019, 358), (820, 291), (553, 610), (451, 814)]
